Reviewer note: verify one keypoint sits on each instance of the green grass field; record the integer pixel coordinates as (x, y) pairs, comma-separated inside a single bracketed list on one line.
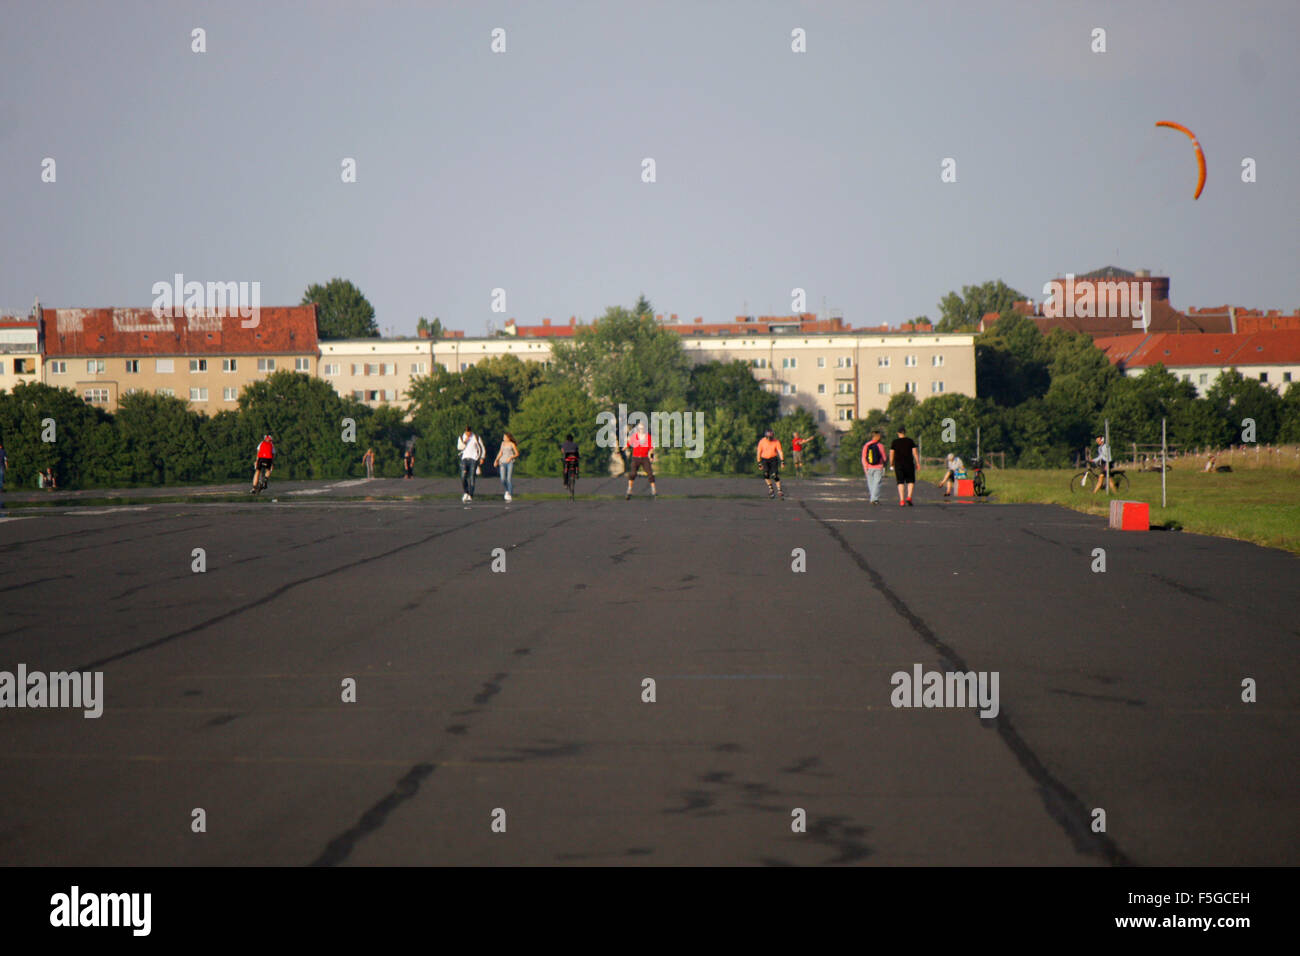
[(1261, 505)]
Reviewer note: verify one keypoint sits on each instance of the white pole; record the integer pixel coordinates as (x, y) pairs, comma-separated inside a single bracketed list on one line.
[(1163, 462), (1108, 457)]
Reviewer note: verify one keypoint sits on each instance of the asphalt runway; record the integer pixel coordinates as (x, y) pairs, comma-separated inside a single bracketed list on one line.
[(521, 690)]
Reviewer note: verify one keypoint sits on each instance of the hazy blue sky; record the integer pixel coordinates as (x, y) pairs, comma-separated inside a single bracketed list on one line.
[(522, 170)]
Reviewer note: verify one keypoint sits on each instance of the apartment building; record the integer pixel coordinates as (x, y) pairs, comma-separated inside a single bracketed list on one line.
[(20, 351), (203, 358), (375, 371)]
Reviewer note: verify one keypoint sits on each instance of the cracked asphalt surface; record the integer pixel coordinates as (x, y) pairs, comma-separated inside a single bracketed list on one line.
[(479, 690)]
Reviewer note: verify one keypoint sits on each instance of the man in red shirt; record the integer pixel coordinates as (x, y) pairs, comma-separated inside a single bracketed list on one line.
[(796, 448), (642, 446), (265, 459)]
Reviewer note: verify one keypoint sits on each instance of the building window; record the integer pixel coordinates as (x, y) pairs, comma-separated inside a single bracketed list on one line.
[(909, 361), (844, 414), (759, 363), (936, 361), (169, 392), (1263, 376), (198, 394), (789, 363), (359, 395), (936, 387), (788, 390), (883, 388), (882, 361), (821, 414), (844, 361), (266, 365), (163, 366), (821, 362), (417, 368), (1202, 378), (1187, 376), (59, 368), (843, 388), (301, 365), (94, 366), (331, 368), (24, 366), (821, 388), (96, 394), (229, 365), (133, 366), (198, 365), (1286, 376), (911, 387), (228, 393), (464, 365)]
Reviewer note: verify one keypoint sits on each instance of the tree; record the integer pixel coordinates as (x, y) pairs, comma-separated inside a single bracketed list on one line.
[(545, 416), (84, 450), (1236, 398), (1011, 361), (731, 385), (643, 307), (625, 358), (342, 312), (434, 329), (159, 434), (1289, 415), (963, 312), (307, 420)]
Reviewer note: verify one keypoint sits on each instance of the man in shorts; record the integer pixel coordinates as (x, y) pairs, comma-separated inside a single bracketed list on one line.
[(642, 446), (770, 460), (796, 450), (905, 460)]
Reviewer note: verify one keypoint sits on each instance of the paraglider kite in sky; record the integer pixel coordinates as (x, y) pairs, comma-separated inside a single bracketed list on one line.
[(1200, 156)]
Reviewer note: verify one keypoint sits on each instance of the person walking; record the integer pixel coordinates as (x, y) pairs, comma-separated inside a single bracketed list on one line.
[(368, 459), (1103, 463), (905, 460), (505, 464), (408, 459), (770, 460), (873, 464), (472, 454), (641, 445)]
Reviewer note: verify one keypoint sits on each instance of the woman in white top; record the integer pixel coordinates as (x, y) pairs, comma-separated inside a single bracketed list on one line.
[(505, 461)]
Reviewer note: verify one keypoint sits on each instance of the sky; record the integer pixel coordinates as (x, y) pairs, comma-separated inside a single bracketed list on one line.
[(522, 170)]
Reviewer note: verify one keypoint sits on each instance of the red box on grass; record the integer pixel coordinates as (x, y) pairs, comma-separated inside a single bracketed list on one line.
[(1130, 516)]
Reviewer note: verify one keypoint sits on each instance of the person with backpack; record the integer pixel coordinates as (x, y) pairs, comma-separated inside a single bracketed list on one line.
[(873, 464)]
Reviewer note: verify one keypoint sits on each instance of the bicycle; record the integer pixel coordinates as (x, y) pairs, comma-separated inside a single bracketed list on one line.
[(1089, 476), (262, 478), (977, 478), (571, 476)]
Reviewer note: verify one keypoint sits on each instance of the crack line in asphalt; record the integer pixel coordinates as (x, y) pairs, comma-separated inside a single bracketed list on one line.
[(1061, 802)]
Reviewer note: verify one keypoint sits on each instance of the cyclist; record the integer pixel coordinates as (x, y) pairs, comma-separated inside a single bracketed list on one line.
[(570, 458), (770, 460), (265, 459), (1102, 463), (641, 445)]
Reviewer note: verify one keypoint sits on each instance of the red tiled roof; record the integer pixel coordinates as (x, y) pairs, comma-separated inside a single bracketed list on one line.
[(280, 330), (1118, 348), (1219, 350)]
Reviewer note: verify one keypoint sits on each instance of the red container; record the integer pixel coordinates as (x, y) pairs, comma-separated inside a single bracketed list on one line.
[(965, 487), (1130, 516)]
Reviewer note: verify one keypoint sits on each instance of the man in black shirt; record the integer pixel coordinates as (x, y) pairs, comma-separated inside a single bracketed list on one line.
[(905, 460)]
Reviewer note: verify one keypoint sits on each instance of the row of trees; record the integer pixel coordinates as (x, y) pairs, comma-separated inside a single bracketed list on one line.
[(1045, 397), (625, 359)]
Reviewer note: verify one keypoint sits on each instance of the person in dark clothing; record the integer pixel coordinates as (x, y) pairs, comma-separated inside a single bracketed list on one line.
[(905, 460)]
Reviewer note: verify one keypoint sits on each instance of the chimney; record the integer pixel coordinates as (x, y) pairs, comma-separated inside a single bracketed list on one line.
[(1232, 318), (546, 321)]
